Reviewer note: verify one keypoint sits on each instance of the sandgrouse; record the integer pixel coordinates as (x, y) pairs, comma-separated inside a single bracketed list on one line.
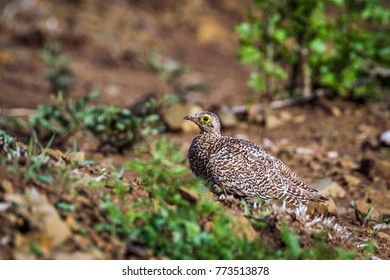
[(240, 167)]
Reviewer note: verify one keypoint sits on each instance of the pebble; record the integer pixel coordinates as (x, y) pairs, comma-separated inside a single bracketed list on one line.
[(304, 151), (7, 186), (385, 137), (328, 188)]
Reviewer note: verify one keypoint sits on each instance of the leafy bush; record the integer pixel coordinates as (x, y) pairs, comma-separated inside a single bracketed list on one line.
[(63, 118), (116, 129), (346, 50)]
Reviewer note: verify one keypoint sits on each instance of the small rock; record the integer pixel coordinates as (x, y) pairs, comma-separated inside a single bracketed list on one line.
[(333, 154), (351, 180), (243, 228), (383, 168), (314, 165), (328, 188), (256, 113), (46, 218), (7, 186), (299, 119), (6, 57), (267, 143), (341, 210), (335, 111), (369, 130), (73, 256), (228, 117), (348, 164), (304, 151), (283, 142), (373, 167), (6, 240), (285, 116), (381, 227), (4, 206), (15, 198), (83, 242), (75, 157), (385, 137), (55, 154), (318, 208), (272, 121), (370, 143), (364, 207), (189, 194), (173, 117)]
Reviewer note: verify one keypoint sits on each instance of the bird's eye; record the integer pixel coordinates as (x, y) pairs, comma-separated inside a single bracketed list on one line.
[(205, 119)]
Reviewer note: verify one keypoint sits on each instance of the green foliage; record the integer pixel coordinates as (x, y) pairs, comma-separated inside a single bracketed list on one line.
[(343, 50), (62, 118), (57, 70), (320, 251), (32, 164), (65, 207), (292, 242), (116, 129), (35, 248)]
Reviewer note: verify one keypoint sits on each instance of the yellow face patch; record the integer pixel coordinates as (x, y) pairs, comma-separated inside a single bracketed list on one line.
[(205, 119)]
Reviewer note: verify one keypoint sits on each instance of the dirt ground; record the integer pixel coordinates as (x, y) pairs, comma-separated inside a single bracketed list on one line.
[(326, 137)]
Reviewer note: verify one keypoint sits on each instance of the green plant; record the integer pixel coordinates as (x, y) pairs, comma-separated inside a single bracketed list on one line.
[(65, 207), (299, 40), (361, 216), (57, 70), (291, 240), (116, 129), (63, 118), (35, 248)]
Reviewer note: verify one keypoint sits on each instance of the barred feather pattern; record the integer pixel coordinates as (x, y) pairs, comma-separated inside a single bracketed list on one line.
[(240, 167)]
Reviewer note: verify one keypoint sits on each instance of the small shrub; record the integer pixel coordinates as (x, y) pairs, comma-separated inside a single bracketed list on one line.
[(302, 43), (116, 129)]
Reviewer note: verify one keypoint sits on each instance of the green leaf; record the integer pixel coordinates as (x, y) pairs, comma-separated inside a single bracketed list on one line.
[(318, 46), (139, 167), (291, 241)]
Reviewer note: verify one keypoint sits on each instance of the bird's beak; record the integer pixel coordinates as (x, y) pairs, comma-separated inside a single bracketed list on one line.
[(189, 118)]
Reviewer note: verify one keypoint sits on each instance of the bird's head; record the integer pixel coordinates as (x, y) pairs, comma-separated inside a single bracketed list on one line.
[(208, 122)]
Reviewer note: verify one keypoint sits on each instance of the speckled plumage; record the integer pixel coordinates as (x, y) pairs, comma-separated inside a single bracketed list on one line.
[(240, 167)]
